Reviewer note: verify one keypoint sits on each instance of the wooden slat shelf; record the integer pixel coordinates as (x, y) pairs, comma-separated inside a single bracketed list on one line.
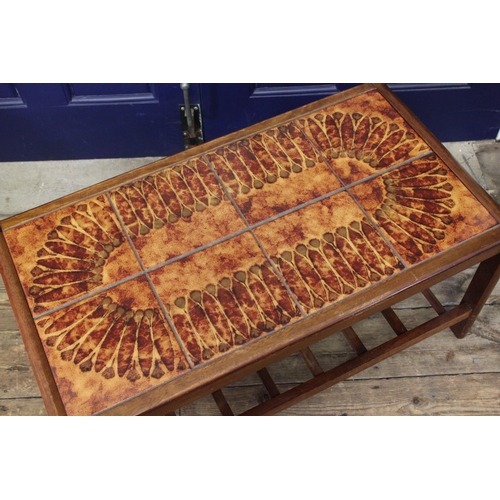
[(222, 403), (361, 362), (354, 340), (166, 284), (311, 361), (394, 321)]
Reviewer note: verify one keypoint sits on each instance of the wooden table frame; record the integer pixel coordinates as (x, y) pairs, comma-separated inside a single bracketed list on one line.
[(164, 399)]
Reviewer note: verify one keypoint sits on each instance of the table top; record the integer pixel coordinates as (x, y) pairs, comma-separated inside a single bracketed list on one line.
[(185, 265)]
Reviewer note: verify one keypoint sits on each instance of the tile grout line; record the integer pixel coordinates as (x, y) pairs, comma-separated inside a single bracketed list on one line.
[(145, 274), (278, 273), (88, 295), (297, 208), (278, 215), (294, 120), (372, 222), (250, 229), (125, 232), (105, 191), (377, 228), (221, 355), (226, 191), (319, 153), (170, 322), (388, 169), (249, 226), (197, 249), (330, 163)]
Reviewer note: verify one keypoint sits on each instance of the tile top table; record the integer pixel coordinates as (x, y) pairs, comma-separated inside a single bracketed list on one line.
[(161, 285)]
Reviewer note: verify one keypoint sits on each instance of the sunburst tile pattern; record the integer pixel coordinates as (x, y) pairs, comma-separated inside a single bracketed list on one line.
[(423, 208), (69, 253), (327, 251), (273, 171), (109, 347), (223, 297), (361, 136), (175, 211)]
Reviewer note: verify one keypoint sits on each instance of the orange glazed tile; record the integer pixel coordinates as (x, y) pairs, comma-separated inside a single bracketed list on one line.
[(223, 296), (273, 171), (327, 250), (175, 211), (423, 208), (110, 347), (70, 252), (361, 136)]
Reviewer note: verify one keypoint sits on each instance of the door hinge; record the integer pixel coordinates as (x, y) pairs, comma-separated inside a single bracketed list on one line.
[(191, 123)]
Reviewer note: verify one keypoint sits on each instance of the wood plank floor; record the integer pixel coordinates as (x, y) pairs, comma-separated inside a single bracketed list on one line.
[(439, 376)]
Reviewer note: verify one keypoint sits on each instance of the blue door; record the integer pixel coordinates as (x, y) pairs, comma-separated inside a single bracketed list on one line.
[(90, 120), (78, 121)]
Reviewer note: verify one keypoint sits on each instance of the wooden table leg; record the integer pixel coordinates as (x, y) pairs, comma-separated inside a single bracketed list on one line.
[(480, 288)]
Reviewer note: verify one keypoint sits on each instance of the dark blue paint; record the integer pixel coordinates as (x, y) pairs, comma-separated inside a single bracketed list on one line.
[(7, 90), (464, 113), (93, 89), (9, 97), (57, 124)]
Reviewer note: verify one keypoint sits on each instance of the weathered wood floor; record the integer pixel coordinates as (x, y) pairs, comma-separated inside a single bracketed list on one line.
[(439, 376)]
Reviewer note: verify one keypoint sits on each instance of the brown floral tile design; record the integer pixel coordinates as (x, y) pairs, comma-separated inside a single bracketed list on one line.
[(423, 208), (361, 136), (174, 211), (223, 297), (273, 171), (110, 347), (70, 252), (327, 250)]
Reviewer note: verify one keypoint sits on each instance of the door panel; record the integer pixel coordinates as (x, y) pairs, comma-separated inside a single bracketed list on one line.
[(111, 93), (9, 96), (79, 121), (455, 112)]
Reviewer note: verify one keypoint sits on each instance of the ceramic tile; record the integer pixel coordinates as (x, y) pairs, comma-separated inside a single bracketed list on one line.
[(273, 171), (110, 347), (361, 136), (327, 250), (223, 296), (70, 252), (175, 211), (423, 208)]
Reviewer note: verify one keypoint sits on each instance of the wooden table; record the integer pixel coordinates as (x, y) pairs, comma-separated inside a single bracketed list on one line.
[(148, 291)]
